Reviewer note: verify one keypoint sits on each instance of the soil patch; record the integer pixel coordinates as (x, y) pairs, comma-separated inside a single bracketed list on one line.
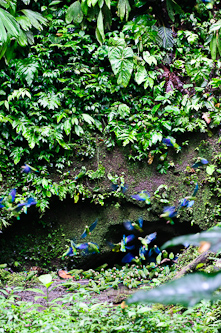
[(59, 289)]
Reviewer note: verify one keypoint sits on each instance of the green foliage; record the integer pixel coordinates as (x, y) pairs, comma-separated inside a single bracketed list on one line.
[(186, 291), (173, 8), (80, 312), (165, 37), (14, 26), (121, 59), (191, 288), (212, 237), (214, 40), (60, 98)]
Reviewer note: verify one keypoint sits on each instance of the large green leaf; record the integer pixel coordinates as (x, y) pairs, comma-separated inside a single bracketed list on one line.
[(149, 59), (216, 26), (74, 13), (141, 74), (123, 9), (212, 236), (87, 118), (186, 291), (24, 22), (36, 19), (9, 27), (46, 280), (100, 28), (121, 59), (172, 9), (165, 37), (213, 47), (4, 4)]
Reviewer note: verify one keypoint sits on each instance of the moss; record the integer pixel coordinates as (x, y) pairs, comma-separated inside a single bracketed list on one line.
[(187, 256)]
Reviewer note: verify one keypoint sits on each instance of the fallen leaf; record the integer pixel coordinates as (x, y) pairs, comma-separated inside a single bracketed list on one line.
[(204, 246), (206, 117), (64, 274), (150, 158)]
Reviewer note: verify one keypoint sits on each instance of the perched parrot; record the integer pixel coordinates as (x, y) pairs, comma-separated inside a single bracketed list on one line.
[(189, 200), (156, 249), (147, 239), (88, 230), (28, 168), (165, 254), (122, 187), (153, 253), (142, 196), (200, 162), (81, 173), (132, 225), (1, 203), (142, 252), (11, 196), (171, 142), (7, 201)]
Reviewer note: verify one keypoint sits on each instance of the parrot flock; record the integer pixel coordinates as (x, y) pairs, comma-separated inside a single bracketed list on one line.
[(9, 202), (151, 254)]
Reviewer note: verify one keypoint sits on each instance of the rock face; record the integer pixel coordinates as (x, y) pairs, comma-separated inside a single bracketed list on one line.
[(40, 241)]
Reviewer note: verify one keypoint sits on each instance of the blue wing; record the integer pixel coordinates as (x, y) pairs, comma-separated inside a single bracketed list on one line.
[(190, 203), (93, 225), (12, 195), (83, 246), (1, 205), (128, 225), (167, 142), (149, 238), (129, 238), (114, 187), (127, 258), (171, 210), (19, 207), (140, 221), (124, 188), (84, 234), (30, 202), (130, 247)]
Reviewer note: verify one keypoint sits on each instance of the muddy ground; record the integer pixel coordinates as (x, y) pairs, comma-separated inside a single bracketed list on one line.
[(59, 289)]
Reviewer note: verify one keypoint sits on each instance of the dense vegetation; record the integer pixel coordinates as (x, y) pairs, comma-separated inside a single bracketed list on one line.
[(79, 76), (154, 75)]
